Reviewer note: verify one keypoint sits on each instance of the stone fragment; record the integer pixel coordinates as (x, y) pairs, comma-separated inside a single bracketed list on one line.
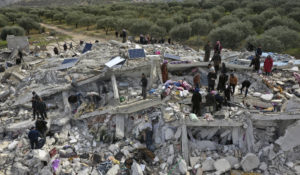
[(13, 145), (113, 170), (169, 134), (250, 162), (20, 169), (199, 171), (208, 165), (232, 160), (291, 137), (263, 166), (267, 97), (136, 169), (41, 155), (222, 165), (170, 159), (178, 133), (194, 160), (182, 167)]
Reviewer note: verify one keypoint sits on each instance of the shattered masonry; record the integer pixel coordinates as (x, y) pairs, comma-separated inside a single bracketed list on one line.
[(258, 134)]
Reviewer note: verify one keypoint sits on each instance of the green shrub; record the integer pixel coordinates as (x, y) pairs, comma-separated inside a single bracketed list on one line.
[(282, 21), (140, 27), (178, 19), (167, 23), (3, 21), (256, 20), (87, 21), (230, 5), (258, 6), (195, 41), (107, 23), (241, 12), (289, 38), (59, 17), (269, 13), (227, 19), (73, 18), (181, 32), (268, 43), (207, 4), (295, 14), (231, 35), (157, 32), (206, 15), (28, 24), (215, 14), (12, 30), (201, 27)]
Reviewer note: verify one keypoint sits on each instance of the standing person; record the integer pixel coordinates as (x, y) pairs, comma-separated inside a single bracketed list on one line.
[(164, 71), (217, 61), (169, 40), (19, 60), (207, 49), (227, 93), (210, 102), (258, 52), (224, 68), (211, 77), (218, 48), (268, 64), (35, 101), (197, 80), (55, 50), (65, 47), (245, 84), (117, 34), (232, 83), (223, 78), (124, 35), (71, 46), (144, 83), (196, 101), (33, 136), (256, 63), (42, 107)]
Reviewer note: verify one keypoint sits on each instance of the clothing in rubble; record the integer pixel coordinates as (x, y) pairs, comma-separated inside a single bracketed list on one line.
[(245, 84), (211, 77), (218, 48), (256, 63), (223, 78), (33, 136), (232, 83), (217, 61), (164, 71), (34, 101), (196, 101), (268, 64), (144, 83), (207, 49)]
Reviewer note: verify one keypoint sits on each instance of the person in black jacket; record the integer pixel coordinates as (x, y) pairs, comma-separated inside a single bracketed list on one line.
[(211, 77), (41, 108), (196, 101), (41, 126), (256, 63), (217, 61), (223, 78), (34, 102), (210, 102), (144, 83), (55, 50), (224, 68), (124, 35), (33, 136), (258, 52), (245, 84)]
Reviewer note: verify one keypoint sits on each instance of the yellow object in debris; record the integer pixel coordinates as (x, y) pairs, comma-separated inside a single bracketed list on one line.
[(115, 161), (280, 89), (177, 93)]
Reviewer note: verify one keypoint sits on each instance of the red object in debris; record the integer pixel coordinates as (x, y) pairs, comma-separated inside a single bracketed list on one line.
[(53, 152)]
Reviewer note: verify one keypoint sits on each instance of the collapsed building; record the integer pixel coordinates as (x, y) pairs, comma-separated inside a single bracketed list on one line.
[(106, 134)]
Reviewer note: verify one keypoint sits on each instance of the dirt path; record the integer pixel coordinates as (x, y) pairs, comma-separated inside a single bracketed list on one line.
[(75, 36)]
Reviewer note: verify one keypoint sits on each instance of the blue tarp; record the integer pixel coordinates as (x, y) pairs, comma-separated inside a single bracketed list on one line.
[(87, 47), (67, 63), (136, 53)]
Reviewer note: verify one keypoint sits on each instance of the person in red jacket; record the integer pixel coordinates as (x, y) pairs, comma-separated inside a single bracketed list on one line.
[(218, 47), (268, 64)]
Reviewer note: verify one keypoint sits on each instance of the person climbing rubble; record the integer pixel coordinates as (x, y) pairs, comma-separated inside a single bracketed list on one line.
[(144, 83), (232, 82), (245, 84), (217, 61), (268, 64), (164, 71), (256, 63), (218, 48), (227, 93), (210, 102), (42, 108), (196, 101), (65, 47), (34, 136), (35, 99), (223, 78), (55, 50), (211, 77), (196, 81), (207, 49)]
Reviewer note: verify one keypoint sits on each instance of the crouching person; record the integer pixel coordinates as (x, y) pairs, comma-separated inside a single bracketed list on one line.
[(35, 142)]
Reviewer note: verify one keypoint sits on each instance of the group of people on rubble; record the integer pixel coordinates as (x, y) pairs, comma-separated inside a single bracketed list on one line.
[(65, 46)]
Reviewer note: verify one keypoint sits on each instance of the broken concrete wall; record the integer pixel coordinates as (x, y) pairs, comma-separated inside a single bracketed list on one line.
[(17, 42)]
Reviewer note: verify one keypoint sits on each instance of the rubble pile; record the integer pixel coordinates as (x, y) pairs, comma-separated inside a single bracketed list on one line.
[(98, 123)]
